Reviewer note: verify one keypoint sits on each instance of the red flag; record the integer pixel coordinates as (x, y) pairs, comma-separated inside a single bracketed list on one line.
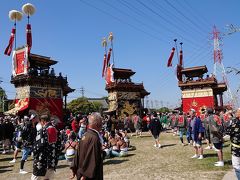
[(29, 37), (104, 65), (108, 57), (8, 50), (109, 75), (171, 58), (181, 58)]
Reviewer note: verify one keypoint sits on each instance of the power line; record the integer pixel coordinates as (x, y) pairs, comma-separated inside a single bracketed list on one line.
[(173, 16), (167, 21), (192, 22), (122, 21), (136, 19), (194, 10)]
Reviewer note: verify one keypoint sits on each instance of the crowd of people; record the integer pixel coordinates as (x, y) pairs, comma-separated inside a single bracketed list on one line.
[(210, 126), (39, 136)]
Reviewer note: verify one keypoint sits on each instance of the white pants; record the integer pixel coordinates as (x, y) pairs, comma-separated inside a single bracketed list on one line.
[(49, 175), (236, 162)]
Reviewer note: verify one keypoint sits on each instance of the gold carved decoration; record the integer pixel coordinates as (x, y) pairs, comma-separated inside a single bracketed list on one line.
[(128, 108), (197, 93)]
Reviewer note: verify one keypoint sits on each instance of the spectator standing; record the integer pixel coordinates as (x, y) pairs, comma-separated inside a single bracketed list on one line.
[(216, 135), (88, 162), (46, 150), (234, 131), (155, 128), (196, 133), (29, 132)]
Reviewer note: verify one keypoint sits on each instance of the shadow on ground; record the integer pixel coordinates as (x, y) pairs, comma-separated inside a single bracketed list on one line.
[(4, 169), (210, 155), (167, 145), (228, 162), (6, 159), (115, 161), (62, 166)]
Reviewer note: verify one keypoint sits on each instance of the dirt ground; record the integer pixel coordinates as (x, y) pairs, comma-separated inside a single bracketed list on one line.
[(172, 161)]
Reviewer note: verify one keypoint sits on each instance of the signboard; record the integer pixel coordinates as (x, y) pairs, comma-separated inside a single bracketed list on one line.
[(20, 61)]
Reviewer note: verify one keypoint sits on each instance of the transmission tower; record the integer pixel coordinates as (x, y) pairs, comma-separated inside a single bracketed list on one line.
[(82, 91), (219, 70)]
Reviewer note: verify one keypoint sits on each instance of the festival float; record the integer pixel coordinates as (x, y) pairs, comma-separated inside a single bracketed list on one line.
[(198, 89), (38, 89), (124, 96)]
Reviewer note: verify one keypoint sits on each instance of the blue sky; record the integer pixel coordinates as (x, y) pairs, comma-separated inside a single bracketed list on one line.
[(71, 32)]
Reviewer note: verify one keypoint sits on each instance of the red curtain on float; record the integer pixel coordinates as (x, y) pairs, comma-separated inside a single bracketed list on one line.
[(197, 103), (54, 106)]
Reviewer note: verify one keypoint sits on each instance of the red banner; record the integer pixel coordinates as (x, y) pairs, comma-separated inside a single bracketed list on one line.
[(169, 63), (9, 48), (197, 103), (29, 37), (20, 61)]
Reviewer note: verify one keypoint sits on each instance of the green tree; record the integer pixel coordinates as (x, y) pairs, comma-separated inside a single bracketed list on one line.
[(164, 109), (84, 106), (3, 100)]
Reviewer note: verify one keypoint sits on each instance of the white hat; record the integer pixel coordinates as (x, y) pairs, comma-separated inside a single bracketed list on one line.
[(193, 110), (25, 118), (32, 116)]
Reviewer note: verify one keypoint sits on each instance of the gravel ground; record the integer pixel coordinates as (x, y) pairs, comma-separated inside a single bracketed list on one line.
[(172, 161)]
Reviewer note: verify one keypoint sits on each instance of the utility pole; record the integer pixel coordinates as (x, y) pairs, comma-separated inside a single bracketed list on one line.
[(82, 91), (1, 97)]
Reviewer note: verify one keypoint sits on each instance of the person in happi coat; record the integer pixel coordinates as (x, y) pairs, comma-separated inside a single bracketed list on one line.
[(234, 131), (181, 122), (88, 162), (46, 150)]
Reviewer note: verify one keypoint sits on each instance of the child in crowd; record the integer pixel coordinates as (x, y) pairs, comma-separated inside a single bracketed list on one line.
[(70, 147)]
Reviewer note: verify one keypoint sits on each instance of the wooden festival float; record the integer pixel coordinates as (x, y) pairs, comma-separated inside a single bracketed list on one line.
[(38, 89), (124, 96), (199, 90)]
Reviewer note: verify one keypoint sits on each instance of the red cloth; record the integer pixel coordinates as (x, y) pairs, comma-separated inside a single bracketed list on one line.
[(202, 117), (29, 37), (181, 58), (68, 131), (75, 126), (108, 57), (171, 57), (52, 134), (217, 119), (180, 119), (226, 117), (104, 65), (8, 50), (109, 75)]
